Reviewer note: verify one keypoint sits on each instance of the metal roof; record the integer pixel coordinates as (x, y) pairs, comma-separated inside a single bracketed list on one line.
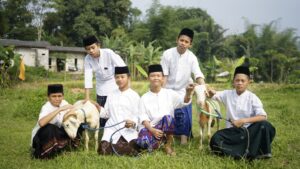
[(40, 44)]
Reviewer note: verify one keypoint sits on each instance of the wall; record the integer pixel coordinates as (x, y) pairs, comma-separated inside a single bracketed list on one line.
[(70, 60), (42, 58), (28, 55)]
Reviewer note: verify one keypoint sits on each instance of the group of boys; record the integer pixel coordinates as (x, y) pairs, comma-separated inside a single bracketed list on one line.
[(165, 110)]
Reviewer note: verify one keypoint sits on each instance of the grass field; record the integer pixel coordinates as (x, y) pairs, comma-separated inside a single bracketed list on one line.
[(20, 106)]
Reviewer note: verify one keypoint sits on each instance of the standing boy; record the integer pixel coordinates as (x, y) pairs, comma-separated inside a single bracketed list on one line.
[(103, 63), (179, 63)]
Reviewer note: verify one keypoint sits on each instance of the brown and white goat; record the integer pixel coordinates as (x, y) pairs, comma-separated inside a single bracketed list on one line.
[(205, 121), (83, 112)]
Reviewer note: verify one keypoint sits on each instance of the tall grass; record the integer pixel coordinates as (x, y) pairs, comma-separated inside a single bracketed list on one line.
[(20, 106)]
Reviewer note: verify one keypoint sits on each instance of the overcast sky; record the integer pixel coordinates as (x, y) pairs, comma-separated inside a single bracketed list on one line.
[(231, 14)]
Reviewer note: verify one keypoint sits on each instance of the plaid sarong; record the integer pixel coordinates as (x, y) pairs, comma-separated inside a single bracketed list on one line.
[(146, 139)]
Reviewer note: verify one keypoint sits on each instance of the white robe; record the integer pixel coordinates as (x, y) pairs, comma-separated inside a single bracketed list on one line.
[(120, 106), (153, 106), (104, 68), (179, 69), (47, 109), (240, 106)]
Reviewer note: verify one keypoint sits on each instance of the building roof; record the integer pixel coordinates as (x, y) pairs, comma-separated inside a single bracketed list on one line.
[(40, 44), (20, 43), (65, 49)]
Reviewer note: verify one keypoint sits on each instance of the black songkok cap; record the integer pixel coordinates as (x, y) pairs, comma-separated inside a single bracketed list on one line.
[(242, 70), (155, 68), (89, 40), (55, 88), (121, 70), (188, 32)]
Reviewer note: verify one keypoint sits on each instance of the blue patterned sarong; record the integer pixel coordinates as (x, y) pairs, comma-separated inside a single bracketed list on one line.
[(146, 139), (183, 121)]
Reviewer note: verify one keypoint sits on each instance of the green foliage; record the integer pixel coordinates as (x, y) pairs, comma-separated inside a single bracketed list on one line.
[(215, 66), (141, 56), (294, 77), (9, 62), (74, 19), (275, 54), (36, 73), (137, 55), (141, 70), (17, 20)]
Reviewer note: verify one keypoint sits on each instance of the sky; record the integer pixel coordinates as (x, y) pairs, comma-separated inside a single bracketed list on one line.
[(233, 14)]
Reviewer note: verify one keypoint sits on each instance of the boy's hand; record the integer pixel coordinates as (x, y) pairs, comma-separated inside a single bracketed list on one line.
[(190, 88), (130, 124), (66, 107), (157, 133), (238, 123), (210, 92)]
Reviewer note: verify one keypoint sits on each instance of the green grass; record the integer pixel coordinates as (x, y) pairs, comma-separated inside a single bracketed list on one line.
[(20, 106)]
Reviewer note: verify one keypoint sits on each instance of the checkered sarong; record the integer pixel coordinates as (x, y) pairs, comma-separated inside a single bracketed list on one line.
[(146, 139)]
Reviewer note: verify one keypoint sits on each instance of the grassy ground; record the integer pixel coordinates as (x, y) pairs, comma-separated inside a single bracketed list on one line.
[(20, 106)]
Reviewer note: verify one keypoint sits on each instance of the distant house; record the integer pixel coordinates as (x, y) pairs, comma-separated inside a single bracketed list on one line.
[(53, 58)]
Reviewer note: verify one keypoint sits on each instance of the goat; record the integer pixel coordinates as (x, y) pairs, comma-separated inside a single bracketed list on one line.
[(209, 106), (82, 113)]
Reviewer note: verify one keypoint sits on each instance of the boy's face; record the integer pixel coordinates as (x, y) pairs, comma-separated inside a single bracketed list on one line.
[(241, 82), (183, 43), (156, 79), (55, 99), (122, 80), (93, 50)]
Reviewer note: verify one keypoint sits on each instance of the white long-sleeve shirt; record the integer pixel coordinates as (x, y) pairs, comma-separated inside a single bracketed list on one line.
[(120, 106), (104, 68), (179, 69), (47, 109), (240, 106), (153, 106)]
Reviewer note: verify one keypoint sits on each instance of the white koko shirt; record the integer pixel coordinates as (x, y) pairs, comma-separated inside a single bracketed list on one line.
[(240, 106), (153, 106), (47, 109), (179, 69), (120, 106), (104, 68)]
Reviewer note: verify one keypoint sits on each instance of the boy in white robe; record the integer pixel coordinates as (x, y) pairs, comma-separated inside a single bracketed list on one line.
[(178, 64), (156, 110), (48, 136), (248, 134), (102, 62), (121, 105)]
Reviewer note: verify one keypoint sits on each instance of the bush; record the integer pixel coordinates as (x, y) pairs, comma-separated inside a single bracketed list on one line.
[(9, 62), (294, 77)]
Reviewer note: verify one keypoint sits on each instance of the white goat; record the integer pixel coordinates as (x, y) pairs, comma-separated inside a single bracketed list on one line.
[(83, 113), (204, 105)]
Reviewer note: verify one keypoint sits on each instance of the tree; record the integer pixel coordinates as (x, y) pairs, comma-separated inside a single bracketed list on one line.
[(275, 54), (79, 18), (3, 20), (39, 9), (163, 24), (17, 20)]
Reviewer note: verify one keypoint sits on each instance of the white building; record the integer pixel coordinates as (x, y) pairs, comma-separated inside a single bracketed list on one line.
[(53, 58)]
